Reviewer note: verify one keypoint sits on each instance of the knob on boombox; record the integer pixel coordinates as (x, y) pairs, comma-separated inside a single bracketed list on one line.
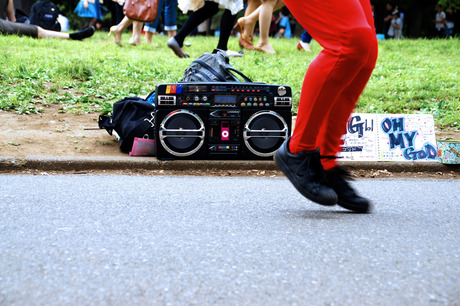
[(264, 132), (182, 133)]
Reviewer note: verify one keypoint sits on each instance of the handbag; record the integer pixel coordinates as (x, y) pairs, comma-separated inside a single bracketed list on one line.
[(141, 10), (131, 117)]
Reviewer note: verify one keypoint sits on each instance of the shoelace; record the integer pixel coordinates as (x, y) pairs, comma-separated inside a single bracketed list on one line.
[(313, 166)]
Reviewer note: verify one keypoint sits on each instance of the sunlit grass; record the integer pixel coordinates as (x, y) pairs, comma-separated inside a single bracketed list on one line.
[(411, 76)]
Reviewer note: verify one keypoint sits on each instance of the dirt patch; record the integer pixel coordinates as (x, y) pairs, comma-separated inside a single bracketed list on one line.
[(56, 133)]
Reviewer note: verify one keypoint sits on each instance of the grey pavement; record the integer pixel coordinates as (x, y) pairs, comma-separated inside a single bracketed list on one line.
[(174, 240), (82, 163)]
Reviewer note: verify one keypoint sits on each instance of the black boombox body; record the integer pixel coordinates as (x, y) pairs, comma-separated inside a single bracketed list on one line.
[(221, 120)]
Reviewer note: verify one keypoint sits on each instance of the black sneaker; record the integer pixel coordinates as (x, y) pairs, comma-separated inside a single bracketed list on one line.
[(348, 198), (85, 33), (306, 173)]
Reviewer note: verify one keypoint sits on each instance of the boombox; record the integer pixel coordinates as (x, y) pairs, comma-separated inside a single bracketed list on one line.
[(221, 120)]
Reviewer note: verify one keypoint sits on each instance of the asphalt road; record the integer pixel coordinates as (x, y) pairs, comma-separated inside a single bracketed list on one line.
[(159, 240)]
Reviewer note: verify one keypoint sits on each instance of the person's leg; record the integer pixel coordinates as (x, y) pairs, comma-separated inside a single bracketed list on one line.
[(305, 37), (85, 33), (175, 43), (329, 138), (171, 17), (148, 33), (265, 17), (117, 30), (246, 24), (341, 28), (151, 28), (226, 25), (349, 42), (137, 32), (209, 9), (43, 33), (304, 43)]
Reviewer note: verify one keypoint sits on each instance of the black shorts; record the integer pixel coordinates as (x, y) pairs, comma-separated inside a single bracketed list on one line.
[(21, 29)]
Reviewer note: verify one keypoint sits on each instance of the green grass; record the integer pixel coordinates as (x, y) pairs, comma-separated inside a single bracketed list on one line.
[(411, 76)]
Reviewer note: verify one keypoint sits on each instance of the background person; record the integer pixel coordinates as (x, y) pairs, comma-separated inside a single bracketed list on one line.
[(170, 20), (264, 14), (117, 30), (304, 43), (89, 9), (396, 26), (203, 10), (450, 22), (440, 22), (284, 24), (10, 27)]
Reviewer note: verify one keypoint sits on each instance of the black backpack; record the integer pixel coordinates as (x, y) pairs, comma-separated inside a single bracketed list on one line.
[(131, 117), (45, 14), (213, 67)]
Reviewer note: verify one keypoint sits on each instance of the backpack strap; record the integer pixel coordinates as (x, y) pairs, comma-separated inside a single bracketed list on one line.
[(105, 122), (239, 73)]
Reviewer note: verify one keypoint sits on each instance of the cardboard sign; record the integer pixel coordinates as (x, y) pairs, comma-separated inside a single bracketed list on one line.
[(383, 137)]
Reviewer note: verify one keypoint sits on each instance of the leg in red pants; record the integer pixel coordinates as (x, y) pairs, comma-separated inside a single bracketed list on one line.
[(334, 80)]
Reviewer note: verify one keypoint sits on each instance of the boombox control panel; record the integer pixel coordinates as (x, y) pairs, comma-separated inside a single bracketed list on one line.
[(221, 120), (252, 95)]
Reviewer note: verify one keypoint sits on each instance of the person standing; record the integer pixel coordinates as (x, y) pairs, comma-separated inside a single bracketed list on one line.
[(331, 88), (170, 20), (89, 9), (388, 18), (450, 22), (440, 22), (396, 25)]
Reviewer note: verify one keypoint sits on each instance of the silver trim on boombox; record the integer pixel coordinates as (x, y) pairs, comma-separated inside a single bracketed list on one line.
[(200, 133), (247, 131)]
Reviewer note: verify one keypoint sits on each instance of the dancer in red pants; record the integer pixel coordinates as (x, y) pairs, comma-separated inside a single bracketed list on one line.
[(331, 88)]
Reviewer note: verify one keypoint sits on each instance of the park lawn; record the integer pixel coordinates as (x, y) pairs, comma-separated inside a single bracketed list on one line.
[(411, 76)]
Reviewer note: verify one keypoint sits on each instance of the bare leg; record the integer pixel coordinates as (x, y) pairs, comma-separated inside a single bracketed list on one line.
[(137, 31), (265, 18), (118, 29), (172, 33), (82, 34), (247, 23), (148, 37), (43, 33)]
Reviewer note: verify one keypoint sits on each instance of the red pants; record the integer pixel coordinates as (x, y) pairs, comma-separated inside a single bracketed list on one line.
[(337, 77)]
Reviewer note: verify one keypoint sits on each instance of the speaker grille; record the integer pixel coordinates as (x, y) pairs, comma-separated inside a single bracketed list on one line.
[(264, 132), (182, 133)]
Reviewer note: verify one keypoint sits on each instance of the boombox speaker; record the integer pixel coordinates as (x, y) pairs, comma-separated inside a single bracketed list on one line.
[(228, 120)]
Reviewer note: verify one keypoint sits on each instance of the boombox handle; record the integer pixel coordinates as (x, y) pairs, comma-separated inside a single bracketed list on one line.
[(230, 67)]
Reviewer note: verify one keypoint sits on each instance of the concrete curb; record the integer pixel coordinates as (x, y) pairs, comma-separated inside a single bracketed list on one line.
[(85, 163)]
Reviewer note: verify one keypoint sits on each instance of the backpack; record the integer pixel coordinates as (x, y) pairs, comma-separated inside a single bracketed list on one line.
[(131, 117), (212, 67), (45, 14)]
